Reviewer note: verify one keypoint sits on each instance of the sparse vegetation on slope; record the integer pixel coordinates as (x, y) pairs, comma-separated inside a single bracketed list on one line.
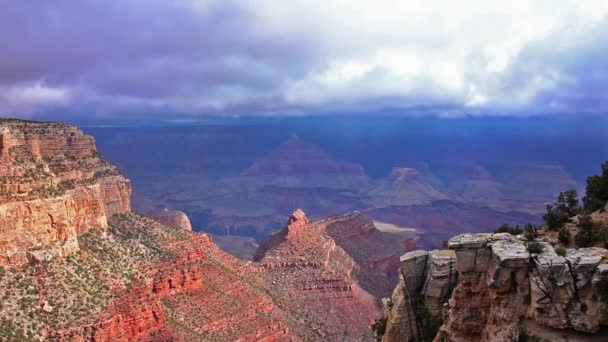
[(77, 290), (596, 196), (562, 210)]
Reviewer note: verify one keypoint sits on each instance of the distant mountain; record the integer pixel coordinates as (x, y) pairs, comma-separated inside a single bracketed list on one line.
[(297, 157), (456, 194), (404, 186)]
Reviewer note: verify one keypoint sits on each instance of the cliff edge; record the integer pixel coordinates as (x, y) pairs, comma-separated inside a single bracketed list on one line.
[(494, 287)]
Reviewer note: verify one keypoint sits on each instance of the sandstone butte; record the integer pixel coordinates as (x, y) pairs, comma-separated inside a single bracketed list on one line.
[(76, 264)]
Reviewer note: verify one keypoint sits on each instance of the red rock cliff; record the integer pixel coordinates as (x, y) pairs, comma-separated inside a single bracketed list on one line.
[(54, 187)]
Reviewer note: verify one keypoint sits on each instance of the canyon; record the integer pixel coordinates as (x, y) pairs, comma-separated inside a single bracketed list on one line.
[(438, 199), (78, 264)]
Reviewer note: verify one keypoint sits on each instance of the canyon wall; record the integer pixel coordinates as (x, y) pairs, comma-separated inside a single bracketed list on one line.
[(90, 270), (54, 186), (503, 292)]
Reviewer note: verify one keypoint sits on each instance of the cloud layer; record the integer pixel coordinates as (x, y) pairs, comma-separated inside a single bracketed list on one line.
[(303, 56)]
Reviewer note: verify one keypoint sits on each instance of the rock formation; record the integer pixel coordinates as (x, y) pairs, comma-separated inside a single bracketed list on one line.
[(312, 279), (173, 218), (426, 281), (503, 291), (54, 187)]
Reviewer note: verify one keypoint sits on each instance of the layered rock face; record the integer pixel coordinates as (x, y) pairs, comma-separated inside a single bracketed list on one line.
[(311, 278), (375, 251), (54, 187), (503, 292), (173, 218), (185, 289)]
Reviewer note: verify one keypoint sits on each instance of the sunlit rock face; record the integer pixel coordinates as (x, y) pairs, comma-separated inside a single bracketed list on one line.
[(502, 291), (54, 187)]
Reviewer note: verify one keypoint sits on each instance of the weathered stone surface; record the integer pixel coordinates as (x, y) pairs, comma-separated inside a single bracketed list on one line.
[(508, 265), (466, 241), (297, 221), (413, 269), (49, 223), (501, 287), (509, 253), (440, 281), (401, 320), (583, 263), (426, 282)]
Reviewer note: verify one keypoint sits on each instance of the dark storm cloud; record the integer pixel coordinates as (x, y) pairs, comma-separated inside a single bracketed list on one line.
[(142, 50), (270, 57)]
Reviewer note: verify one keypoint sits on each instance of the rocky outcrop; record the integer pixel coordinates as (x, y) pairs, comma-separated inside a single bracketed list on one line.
[(375, 251), (55, 187), (175, 218), (425, 283), (312, 278), (503, 291)]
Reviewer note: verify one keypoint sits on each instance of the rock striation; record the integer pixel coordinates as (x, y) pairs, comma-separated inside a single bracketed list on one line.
[(426, 281), (502, 293), (54, 186)]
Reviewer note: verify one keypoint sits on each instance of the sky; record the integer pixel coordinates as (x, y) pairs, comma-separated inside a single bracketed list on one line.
[(102, 58)]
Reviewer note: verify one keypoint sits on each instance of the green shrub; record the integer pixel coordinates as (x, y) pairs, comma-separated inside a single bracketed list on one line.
[(564, 236), (560, 212), (554, 217), (561, 251), (530, 231), (535, 247), (596, 195), (505, 228), (590, 232)]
